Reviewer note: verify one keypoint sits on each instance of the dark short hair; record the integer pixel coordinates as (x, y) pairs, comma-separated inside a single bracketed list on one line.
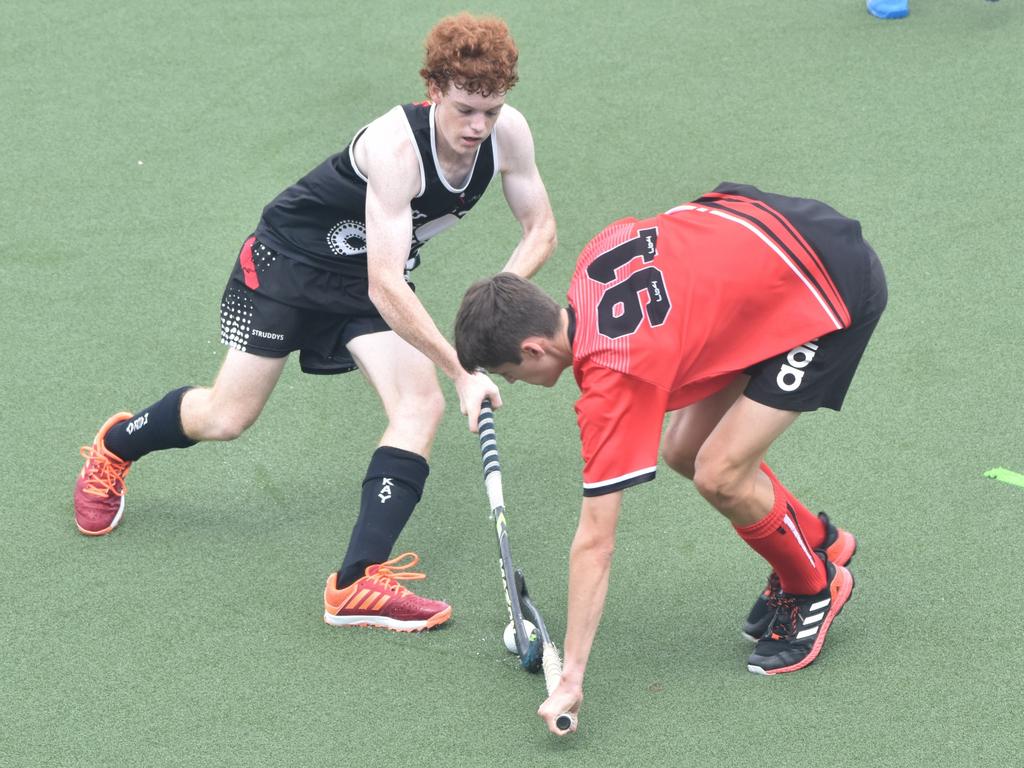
[(496, 315)]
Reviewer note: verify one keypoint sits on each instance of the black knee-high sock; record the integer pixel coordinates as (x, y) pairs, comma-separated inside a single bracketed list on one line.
[(392, 488), (151, 429)]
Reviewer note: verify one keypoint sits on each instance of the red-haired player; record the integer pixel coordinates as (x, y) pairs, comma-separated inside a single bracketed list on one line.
[(326, 274)]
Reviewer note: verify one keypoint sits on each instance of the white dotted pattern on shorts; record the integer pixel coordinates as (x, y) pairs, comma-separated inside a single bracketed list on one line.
[(262, 257), (235, 319)]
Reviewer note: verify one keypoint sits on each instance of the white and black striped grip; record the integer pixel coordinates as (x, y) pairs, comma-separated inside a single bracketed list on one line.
[(488, 439), (489, 454)]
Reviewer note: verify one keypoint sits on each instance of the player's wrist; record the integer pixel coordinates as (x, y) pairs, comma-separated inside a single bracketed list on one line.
[(461, 378), (572, 676)]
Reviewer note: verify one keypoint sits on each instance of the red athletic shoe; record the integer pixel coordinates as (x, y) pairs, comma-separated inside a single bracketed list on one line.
[(798, 628), (840, 547), (378, 600), (99, 490)]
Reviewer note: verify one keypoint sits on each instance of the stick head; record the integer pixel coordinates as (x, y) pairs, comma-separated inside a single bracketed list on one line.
[(533, 659)]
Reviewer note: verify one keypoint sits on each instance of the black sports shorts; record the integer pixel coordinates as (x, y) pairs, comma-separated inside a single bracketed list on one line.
[(817, 374), (274, 305)]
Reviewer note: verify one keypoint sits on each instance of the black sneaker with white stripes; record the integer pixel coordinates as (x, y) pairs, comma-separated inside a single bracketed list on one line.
[(800, 623), (839, 545), (761, 614)]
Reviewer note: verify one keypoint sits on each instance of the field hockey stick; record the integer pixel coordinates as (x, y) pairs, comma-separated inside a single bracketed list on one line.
[(533, 653), (495, 495)]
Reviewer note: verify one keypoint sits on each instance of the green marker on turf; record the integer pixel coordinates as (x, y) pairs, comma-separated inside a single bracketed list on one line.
[(1006, 476)]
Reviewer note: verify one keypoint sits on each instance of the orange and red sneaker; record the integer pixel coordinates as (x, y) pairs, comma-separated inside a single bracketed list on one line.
[(379, 600), (99, 490), (800, 623), (839, 546)]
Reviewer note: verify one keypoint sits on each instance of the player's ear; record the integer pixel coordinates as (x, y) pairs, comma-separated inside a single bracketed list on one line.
[(434, 92), (531, 348)]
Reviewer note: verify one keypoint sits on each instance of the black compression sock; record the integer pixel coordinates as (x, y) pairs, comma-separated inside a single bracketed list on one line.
[(151, 429), (392, 487)]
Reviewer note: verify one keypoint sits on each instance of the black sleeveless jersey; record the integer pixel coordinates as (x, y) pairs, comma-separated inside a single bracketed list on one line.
[(321, 219)]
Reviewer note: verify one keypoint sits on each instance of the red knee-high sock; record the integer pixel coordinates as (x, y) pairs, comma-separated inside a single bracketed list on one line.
[(779, 540), (810, 524)]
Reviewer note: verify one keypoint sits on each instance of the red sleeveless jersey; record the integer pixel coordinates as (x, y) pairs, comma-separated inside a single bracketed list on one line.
[(669, 309)]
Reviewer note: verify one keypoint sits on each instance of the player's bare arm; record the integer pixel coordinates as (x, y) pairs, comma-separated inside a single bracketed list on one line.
[(393, 173), (590, 561), (525, 192)]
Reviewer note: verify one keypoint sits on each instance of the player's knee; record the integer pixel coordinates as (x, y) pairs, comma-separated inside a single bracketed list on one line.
[(424, 410), (720, 481), (205, 417), (434, 407), (678, 458), (228, 424)]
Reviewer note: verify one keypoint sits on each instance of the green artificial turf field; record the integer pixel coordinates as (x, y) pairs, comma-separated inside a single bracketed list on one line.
[(139, 142)]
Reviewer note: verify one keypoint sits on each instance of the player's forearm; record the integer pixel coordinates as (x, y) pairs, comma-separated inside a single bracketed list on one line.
[(407, 317), (589, 569), (535, 247), (590, 561)]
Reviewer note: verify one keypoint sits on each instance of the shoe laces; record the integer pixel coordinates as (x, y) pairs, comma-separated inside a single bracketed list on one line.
[(389, 573), (104, 472), (787, 609)]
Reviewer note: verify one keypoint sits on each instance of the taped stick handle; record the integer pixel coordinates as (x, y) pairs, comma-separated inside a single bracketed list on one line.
[(550, 660), (488, 439), (489, 453), (552, 664)]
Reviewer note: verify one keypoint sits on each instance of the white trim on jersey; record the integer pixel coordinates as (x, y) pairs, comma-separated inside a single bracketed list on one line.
[(494, 151), (679, 208), (437, 165), (619, 479), (352, 154), (778, 252), (416, 148)]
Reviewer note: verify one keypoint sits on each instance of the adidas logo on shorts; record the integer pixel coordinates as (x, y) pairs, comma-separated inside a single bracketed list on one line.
[(791, 375)]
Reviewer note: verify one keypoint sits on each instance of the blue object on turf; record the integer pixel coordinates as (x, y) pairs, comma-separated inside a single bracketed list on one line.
[(889, 9)]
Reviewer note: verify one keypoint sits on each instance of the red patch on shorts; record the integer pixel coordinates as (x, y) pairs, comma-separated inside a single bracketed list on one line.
[(248, 267)]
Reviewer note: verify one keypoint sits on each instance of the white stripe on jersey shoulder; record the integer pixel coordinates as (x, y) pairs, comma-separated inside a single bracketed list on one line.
[(352, 153), (437, 165), (620, 478), (778, 252), (683, 208), (494, 150), (416, 147)]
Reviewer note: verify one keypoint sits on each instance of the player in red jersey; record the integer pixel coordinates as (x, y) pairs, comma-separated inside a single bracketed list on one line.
[(733, 313)]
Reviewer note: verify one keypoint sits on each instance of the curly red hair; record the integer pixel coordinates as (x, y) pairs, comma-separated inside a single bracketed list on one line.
[(475, 53)]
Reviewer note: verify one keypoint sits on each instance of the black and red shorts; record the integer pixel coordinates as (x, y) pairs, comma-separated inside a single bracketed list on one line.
[(274, 305), (818, 373)]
